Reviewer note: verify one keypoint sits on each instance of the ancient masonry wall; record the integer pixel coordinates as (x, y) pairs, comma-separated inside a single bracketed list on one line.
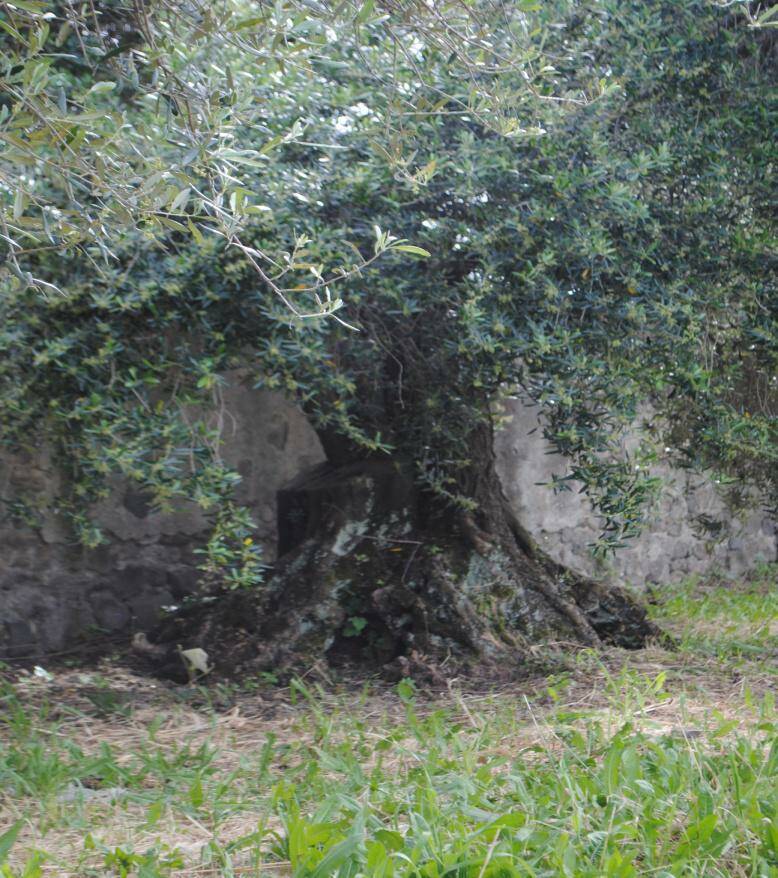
[(673, 544), (52, 592)]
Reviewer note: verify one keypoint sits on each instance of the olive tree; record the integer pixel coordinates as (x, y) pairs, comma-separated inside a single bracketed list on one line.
[(595, 235)]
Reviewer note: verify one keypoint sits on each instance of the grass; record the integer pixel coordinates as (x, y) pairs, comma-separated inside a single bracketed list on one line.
[(652, 763)]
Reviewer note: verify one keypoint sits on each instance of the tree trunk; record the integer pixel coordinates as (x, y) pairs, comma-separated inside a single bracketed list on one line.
[(375, 573)]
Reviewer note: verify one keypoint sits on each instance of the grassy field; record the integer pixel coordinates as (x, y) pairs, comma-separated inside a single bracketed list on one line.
[(660, 763)]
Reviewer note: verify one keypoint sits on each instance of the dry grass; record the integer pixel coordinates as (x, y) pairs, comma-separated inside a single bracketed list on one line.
[(109, 714)]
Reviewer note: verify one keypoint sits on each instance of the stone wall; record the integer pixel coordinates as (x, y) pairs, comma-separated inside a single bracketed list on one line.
[(52, 591), (672, 546)]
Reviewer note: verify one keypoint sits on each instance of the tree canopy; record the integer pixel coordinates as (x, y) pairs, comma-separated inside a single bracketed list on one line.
[(121, 116), (577, 207)]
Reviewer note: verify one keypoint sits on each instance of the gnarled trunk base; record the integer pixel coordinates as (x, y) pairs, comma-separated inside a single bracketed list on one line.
[(374, 575)]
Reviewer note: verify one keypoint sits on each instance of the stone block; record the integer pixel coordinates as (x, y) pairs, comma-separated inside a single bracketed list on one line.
[(17, 639), (182, 581), (110, 613)]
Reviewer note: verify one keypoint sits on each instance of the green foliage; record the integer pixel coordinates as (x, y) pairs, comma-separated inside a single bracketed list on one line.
[(597, 212), (7, 840), (355, 626), (148, 865), (117, 118), (231, 556)]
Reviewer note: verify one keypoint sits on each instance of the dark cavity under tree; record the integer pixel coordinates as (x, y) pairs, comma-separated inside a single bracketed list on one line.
[(615, 248)]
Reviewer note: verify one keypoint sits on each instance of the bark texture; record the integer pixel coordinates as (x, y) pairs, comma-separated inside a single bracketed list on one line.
[(375, 574)]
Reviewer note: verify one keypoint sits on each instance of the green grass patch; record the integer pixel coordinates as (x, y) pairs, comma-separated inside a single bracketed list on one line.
[(725, 619), (660, 763)]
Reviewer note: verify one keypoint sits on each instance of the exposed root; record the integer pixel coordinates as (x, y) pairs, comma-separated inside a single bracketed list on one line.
[(376, 583), (550, 590)]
